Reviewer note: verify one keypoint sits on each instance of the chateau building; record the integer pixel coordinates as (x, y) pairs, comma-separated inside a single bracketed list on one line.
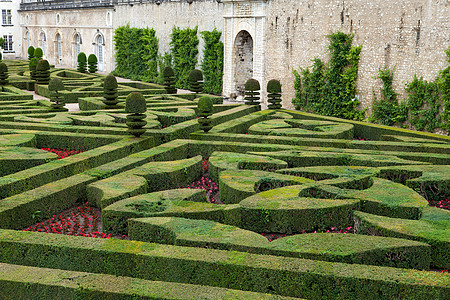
[(263, 39), (10, 29)]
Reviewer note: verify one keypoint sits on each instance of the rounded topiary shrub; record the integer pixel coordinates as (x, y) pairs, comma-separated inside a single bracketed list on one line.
[(30, 52), (274, 94), (136, 107), (110, 91), (169, 80), (3, 75), (38, 53), (205, 109), (55, 86), (82, 62), (252, 88), (196, 81), (42, 72), (92, 63), (32, 65)]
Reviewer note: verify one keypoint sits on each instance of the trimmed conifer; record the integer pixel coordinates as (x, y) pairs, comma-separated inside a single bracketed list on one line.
[(196, 81), (55, 86), (252, 88), (205, 109), (136, 106), (274, 94), (92, 63), (82, 63), (110, 91), (169, 80)]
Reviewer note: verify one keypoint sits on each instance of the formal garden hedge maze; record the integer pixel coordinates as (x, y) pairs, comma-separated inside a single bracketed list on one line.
[(271, 204)]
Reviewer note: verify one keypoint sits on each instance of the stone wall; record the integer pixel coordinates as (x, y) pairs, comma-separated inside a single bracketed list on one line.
[(409, 35), (206, 14)]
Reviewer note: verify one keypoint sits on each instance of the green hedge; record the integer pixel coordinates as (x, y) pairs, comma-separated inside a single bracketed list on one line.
[(150, 177), (432, 229), (44, 283), (348, 248), (259, 273)]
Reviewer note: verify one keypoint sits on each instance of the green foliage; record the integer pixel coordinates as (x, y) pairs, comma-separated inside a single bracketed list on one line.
[(55, 85), (82, 62), (38, 53), (386, 110), (110, 91), (136, 106), (42, 72), (163, 62), (30, 52), (2, 42), (135, 103), (423, 104), (274, 94), (136, 53), (32, 66), (183, 46), (252, 88), (169, 80), (212, 63), (92, 63), (196, 81), (330, 89), (444, 83), (205, 109), (3, 74)]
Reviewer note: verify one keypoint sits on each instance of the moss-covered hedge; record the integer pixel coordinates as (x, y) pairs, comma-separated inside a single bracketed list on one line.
[(278, 275)]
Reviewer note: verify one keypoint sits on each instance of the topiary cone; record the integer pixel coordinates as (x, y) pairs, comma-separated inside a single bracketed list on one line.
[(205, 109), (196, 81), (252, 88), (32, 65), (110, 91), (136, 106), (92, 63), (82, 62), (38, 53), (169, 80), (30, 52), (55, 86), (274, 94), (43, 72)]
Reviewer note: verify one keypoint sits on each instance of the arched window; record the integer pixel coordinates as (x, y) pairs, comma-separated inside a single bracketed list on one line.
[(77, 47), (28, 38), (59, 48), (43, 43), (100, 42)]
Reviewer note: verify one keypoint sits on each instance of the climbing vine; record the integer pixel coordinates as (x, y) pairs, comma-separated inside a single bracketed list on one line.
[(136, 53), (426, 107), (330, 89), (183, 47), (212, 63), (163, 61), (386, 110)]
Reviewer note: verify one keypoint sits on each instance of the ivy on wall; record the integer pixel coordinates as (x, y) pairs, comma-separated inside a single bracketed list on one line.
[(212, 63), (136, 53), (330, 88), (183, 47), (427, 106), (387, 110)]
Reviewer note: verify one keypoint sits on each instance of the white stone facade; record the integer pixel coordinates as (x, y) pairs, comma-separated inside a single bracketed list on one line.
[(10, 28), (263, 39)]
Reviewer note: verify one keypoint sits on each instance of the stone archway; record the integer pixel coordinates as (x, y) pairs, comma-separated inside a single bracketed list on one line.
[(243, 61)]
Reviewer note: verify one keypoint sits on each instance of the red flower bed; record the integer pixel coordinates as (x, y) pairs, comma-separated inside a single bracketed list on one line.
[(444, 204), (62, 153), (80, 221)]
